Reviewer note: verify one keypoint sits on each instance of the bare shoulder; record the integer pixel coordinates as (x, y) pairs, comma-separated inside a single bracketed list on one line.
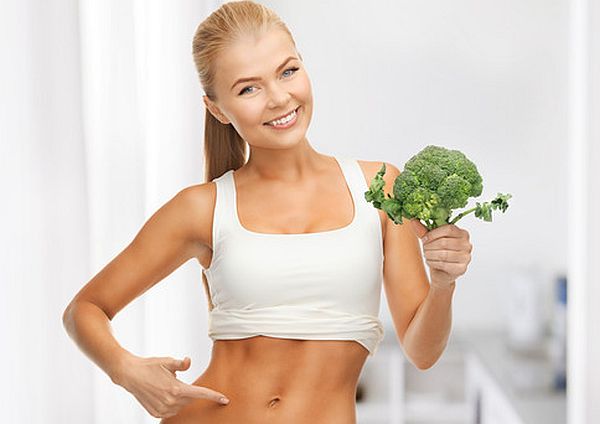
[(370, 169), (198, 204), (173, 234)]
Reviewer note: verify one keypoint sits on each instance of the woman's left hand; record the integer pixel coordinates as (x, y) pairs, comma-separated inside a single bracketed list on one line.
[(447, 251)]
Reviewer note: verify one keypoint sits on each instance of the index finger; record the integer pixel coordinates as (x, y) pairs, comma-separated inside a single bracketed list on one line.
[(198, 392), (446, 230)]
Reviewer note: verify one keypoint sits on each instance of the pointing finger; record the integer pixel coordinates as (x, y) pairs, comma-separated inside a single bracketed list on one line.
[(192, 391)]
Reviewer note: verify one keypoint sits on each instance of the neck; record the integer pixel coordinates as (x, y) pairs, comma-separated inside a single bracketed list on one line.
[(285, 165)]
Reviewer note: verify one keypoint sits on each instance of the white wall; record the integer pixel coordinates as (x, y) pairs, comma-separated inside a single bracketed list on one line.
[(487, 78)]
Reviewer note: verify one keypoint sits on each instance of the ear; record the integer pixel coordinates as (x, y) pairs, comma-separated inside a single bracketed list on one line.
[(214, 110)]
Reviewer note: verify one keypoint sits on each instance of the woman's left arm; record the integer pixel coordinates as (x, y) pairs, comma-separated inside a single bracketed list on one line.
[(428, 332), (421, 309), (447, 250)]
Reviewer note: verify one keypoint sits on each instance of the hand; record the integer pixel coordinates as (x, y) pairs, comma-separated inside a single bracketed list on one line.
[(447, 251), (154, 384)]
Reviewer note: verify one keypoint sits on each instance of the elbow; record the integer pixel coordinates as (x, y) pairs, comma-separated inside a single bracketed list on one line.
[(424, 366), (424, 363), (427, 363), (67, 317), (419, 362)]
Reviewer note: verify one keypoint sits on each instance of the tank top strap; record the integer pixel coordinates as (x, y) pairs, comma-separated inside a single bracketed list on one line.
[(223, 218), (356, 182)]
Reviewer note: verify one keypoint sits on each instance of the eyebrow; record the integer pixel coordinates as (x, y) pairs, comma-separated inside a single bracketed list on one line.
[(258, 78)]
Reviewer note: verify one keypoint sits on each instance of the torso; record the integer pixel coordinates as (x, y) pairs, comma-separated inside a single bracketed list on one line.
[(270, 380)]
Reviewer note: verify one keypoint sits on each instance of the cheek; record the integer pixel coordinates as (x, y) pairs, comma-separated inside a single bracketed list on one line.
[(250, 114), (305, 88)]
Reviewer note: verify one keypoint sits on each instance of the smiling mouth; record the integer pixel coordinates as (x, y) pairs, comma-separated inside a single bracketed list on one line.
[(295, 110)]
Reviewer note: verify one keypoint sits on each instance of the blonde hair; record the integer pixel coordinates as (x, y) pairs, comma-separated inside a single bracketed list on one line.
[(224, 148)]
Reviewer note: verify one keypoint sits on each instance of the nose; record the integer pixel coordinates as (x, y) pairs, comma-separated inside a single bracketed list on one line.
[(278, 96)]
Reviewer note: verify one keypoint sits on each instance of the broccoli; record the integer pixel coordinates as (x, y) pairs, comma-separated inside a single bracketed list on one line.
[(433, 183)]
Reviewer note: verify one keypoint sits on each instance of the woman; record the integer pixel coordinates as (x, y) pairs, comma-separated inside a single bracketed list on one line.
[(293, 256)]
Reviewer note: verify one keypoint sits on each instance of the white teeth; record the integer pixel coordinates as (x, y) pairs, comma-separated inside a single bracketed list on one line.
[(284, 120)]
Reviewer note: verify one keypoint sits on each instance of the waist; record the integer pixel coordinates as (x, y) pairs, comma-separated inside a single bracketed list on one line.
[(288, 364), (275, 381), (270, 380)]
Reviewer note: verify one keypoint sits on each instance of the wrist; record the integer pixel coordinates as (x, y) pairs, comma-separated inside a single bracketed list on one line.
[(443, 288), (120, 366)]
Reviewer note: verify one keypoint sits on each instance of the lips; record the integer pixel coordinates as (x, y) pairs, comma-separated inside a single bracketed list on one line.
[(279, 117)]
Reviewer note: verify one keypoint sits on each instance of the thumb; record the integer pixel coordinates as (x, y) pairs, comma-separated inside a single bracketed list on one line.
[(419, 229), (179, 365)]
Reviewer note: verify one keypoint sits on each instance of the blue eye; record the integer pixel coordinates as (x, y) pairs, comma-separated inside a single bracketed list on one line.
[(291, 69), (288, 69)]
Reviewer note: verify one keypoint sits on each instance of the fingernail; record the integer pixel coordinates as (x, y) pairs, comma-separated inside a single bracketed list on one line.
[(224, 400)]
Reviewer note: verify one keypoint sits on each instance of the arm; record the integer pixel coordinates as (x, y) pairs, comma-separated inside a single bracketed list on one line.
[(89, 327), (421, 314), (168, 239), (428, 332)]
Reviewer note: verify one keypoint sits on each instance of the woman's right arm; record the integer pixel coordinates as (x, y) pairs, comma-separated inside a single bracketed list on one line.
[(171, 236), (167, 240)]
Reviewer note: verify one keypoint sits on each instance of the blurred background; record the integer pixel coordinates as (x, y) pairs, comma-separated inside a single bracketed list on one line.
[(101, 122)]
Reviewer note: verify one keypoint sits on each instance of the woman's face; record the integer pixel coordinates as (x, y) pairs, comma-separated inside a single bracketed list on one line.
[(281, 86)]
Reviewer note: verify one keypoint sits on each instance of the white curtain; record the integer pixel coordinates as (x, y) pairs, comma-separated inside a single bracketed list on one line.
[(101, 123)]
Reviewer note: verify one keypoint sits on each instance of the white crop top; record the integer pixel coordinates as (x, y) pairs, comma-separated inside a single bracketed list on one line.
[(312, 286)]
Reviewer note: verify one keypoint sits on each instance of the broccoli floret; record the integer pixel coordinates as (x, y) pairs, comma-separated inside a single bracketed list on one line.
[(433, 183)]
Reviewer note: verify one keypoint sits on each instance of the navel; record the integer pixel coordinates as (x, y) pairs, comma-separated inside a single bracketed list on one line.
[(274, 402)]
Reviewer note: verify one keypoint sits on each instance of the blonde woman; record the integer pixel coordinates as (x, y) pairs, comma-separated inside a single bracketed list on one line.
[(293, 256)]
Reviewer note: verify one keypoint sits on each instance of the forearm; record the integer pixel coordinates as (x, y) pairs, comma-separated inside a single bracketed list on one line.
[(428, 332), (90, 329)]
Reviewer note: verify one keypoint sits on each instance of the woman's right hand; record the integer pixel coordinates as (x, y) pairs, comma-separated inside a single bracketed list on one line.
[(154, 384)]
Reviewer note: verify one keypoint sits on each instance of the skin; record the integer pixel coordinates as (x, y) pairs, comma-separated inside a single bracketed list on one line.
[(268, 380)]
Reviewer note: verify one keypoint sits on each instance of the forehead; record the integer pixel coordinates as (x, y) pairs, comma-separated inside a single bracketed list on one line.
[(255, 56)]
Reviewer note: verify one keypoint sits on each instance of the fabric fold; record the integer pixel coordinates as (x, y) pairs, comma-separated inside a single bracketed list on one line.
[(302, 323)]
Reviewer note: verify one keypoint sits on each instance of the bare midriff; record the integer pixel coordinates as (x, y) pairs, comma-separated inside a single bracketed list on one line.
[(279, 381)]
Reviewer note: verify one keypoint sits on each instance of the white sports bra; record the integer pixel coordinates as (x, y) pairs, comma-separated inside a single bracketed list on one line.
[(319, 286)]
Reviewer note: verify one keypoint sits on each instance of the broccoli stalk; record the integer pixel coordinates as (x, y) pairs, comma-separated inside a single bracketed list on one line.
[(484, 210), (434, 182)]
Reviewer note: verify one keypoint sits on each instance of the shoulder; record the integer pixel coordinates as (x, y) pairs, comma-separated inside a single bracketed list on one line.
[(370, 169), (196, 205)]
